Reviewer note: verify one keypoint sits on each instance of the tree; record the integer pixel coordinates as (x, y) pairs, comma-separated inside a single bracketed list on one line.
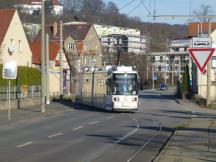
[(204, 12), (73, 5), (48, 5), (112, 8), (7, 3), (94, 7)]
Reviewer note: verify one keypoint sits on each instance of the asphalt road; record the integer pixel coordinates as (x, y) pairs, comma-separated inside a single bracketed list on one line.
[(85, 134)]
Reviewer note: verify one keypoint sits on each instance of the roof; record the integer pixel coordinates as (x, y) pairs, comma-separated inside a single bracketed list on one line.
[(193, 28), (36, 51), (77, 31), (6, 18)]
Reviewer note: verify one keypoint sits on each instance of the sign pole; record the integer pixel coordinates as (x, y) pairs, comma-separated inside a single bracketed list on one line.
[(208, 90), (9, 100)]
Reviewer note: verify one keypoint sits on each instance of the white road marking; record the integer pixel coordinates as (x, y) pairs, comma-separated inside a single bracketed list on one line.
[(130, 133), (77, 128), (25, 144), (54, 135), (95, 122), (109, 117)]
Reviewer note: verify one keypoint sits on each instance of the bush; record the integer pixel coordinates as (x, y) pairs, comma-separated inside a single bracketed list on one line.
[(25, 76)]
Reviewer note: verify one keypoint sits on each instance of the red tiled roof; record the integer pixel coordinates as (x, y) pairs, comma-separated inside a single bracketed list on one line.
[(36, 51), (6, 17), (193, 28)]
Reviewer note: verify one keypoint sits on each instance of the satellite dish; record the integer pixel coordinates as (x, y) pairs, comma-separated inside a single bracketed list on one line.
[(11, 49)]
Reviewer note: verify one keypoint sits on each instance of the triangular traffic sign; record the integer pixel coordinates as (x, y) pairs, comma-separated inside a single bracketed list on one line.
[(201, 56)]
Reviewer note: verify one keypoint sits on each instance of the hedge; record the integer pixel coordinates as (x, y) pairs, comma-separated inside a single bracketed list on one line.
[(25, 76)]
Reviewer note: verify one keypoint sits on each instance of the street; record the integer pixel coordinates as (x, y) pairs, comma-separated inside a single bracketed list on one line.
[(85, 134)]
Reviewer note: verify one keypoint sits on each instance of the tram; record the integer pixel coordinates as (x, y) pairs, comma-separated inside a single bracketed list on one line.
[(114, 88)]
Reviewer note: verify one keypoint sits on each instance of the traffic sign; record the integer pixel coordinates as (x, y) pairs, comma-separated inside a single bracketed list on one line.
[(201, 56), (10, 70), (201, 42)]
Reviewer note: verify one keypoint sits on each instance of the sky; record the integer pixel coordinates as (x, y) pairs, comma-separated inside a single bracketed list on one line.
[(163, 7)]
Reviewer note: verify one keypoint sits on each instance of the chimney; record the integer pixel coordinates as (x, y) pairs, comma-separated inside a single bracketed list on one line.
[(55, 29)]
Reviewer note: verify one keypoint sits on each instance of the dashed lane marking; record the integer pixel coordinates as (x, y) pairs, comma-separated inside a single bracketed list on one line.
[(95, 122), (80, 127), (54, 135), (109, 117), (25, 144)]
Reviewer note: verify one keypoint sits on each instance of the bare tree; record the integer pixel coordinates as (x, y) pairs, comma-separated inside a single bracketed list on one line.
[(112, 8), (204, 12), (94, 7), (74, 5)]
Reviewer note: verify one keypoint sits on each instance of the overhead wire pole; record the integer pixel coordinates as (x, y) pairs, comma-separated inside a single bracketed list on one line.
[(60, 58), (42, 58)]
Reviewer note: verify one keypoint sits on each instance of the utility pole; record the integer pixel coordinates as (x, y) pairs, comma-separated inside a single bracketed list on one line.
[(42, 59), (165, 74), (208, 90), (179, 74), (47, 71), (153, 85), (61, 62), (172, 71)]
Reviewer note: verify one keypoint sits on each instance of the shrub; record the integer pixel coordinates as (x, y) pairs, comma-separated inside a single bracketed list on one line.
[(25, 76)]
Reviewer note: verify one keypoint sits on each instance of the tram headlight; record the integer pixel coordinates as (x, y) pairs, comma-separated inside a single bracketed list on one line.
[(134, 99), (116, 98)]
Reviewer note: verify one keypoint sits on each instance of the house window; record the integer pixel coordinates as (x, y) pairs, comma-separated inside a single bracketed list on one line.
[(71, 47), (20, 46)]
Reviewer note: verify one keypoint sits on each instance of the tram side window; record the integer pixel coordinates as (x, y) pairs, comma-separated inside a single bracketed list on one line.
[(109, 86)]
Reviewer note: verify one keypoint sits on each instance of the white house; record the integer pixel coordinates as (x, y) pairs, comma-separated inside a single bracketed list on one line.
[(202, 78), (14, 45), (34, 6), (129, 40)]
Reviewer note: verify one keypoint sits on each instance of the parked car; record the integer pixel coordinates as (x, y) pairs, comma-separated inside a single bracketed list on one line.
[(163, 87)]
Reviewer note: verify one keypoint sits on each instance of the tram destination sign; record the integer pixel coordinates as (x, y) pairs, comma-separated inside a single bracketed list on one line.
[(201, 42)]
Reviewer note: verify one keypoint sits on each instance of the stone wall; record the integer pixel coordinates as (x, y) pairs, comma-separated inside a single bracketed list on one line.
[(20, 103)]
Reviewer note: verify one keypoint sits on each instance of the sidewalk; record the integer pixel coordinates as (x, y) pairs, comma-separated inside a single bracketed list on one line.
[(33, 113), (195, 141)]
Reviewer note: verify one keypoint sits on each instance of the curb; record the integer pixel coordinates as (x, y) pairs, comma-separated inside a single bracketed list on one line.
[(164, 147)]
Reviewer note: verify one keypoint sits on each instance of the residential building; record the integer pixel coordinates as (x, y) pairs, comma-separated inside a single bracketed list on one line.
[(202, 77), (174, 61), (54, 67), (34, 7), (13, 42), (128, 40), (196, 29), (81, 41), (81, 45)]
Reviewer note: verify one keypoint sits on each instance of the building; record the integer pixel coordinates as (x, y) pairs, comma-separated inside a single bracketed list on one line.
[(34, 7), (175, 60), (81, 43), (54, 67), (196, 29), (202, 78), (128, 40), (13, 42)]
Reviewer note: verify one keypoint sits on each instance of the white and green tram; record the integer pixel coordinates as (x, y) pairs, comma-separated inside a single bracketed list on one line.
[(114, 88)]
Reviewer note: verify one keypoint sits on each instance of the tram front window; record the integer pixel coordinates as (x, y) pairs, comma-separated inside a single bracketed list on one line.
[(125, 84)]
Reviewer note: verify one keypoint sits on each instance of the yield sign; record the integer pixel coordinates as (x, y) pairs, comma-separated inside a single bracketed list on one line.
[(201, 56)]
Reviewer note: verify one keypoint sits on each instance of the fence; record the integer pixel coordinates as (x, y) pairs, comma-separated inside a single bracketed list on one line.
[(20, 92)]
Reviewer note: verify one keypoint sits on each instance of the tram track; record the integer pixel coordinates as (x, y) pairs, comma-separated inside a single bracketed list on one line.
[(138, 150)]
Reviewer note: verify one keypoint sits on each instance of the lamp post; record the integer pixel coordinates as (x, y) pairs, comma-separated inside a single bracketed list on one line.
[(42, 58)]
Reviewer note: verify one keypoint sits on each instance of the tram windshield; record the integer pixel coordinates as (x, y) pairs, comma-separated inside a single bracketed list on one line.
[(125, 84)]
